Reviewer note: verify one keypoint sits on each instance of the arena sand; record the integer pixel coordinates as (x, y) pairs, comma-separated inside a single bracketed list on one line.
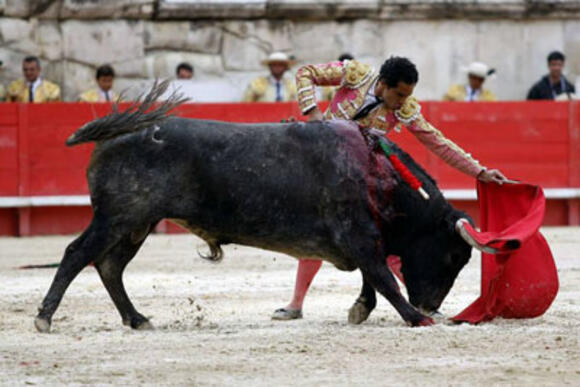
[(213, 325)]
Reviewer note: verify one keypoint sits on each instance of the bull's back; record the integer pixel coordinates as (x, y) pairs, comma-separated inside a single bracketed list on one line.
[(293, 161), (241, 181)]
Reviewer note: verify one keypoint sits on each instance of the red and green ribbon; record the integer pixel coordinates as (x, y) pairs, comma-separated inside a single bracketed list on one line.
[(402, 169)]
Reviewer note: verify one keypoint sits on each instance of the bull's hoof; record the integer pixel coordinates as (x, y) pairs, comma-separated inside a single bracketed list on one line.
[(438, 317), (139, 323), (42, 325), (424, 322), (144, 326), (284, 314), (427, 321), (358, 313)]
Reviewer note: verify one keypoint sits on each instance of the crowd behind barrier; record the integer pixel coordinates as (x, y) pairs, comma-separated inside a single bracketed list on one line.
[(43, 185), (277, 83)]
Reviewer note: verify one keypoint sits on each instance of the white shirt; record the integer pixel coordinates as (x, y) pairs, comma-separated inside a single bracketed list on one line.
[(103, 94), (273, 82), (470, 94), (35, 85), (370, 97)]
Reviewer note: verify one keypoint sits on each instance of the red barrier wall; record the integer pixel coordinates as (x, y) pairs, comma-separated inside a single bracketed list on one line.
[(538, 142)]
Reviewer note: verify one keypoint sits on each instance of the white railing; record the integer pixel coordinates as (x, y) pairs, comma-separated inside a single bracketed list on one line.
[(84, 200)]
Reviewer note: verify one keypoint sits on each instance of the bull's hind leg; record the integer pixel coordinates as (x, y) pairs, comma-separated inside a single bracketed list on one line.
[(111, 268), (88, 247), (364, 304)]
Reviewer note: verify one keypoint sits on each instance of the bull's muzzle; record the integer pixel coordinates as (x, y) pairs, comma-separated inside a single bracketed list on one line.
[(460, 228)]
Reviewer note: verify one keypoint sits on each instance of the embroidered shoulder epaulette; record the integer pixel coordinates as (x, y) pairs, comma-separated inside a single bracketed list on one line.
[(409, 111), (50, 86), (16, 85), (259, 85), (457, 89), (356, 73), (91, 95)]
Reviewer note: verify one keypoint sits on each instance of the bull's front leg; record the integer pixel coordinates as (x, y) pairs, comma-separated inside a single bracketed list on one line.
[(367, 300), (380, 278), (364, 304)]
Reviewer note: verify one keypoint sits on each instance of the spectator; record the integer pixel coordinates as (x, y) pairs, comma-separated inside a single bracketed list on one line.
[(554, 85), (329, 91), (275, 87), (33, 88), (103, 92), (184, 71), (473, 91), (2, 91)]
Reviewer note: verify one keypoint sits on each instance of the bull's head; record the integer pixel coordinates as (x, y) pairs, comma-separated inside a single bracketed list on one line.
[(434, 261)]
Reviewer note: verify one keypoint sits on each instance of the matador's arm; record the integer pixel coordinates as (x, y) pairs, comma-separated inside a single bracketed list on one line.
[(309, 76), (451, 153)]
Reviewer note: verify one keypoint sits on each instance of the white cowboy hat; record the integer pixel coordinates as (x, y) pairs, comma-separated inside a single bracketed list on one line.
[(479, 69), (278, 57)]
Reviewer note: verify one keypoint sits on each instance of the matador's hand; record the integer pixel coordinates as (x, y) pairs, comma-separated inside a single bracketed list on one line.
[(492, 175), (315, 115)]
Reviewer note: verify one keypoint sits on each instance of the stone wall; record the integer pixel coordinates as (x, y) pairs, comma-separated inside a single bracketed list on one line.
[(225, 40)]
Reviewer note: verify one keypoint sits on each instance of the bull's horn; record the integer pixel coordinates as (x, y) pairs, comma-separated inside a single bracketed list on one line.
[(460, 228)]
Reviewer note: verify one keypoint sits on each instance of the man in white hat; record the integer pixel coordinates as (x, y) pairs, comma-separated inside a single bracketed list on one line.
[(275, 87), (473, 91)]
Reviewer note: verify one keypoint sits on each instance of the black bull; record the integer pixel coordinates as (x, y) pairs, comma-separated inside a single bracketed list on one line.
[(306, 189)]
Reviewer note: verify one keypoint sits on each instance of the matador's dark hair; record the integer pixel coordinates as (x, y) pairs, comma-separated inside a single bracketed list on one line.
[(398, 69), (345, 56)]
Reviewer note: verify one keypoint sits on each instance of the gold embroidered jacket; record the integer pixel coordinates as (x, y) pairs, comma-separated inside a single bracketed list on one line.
[(262, 90), (459, 93), (354, 80), (45, 92), (93, 95)]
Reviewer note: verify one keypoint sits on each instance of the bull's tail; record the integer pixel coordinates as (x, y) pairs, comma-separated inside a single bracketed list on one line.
[(139, 115)]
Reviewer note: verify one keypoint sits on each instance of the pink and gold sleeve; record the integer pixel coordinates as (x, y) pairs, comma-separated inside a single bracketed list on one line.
[(450, 152), (309, 76)]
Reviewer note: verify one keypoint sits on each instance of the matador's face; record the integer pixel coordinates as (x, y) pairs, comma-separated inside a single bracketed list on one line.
[(394, 97)]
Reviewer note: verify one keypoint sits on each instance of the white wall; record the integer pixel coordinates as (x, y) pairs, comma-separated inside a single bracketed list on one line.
[(226, 52)]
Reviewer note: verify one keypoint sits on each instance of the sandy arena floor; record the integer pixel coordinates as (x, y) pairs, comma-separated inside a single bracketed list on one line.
[(213, 325)]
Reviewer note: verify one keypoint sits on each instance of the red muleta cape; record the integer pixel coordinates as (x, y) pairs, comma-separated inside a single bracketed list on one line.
[(521, 280)]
